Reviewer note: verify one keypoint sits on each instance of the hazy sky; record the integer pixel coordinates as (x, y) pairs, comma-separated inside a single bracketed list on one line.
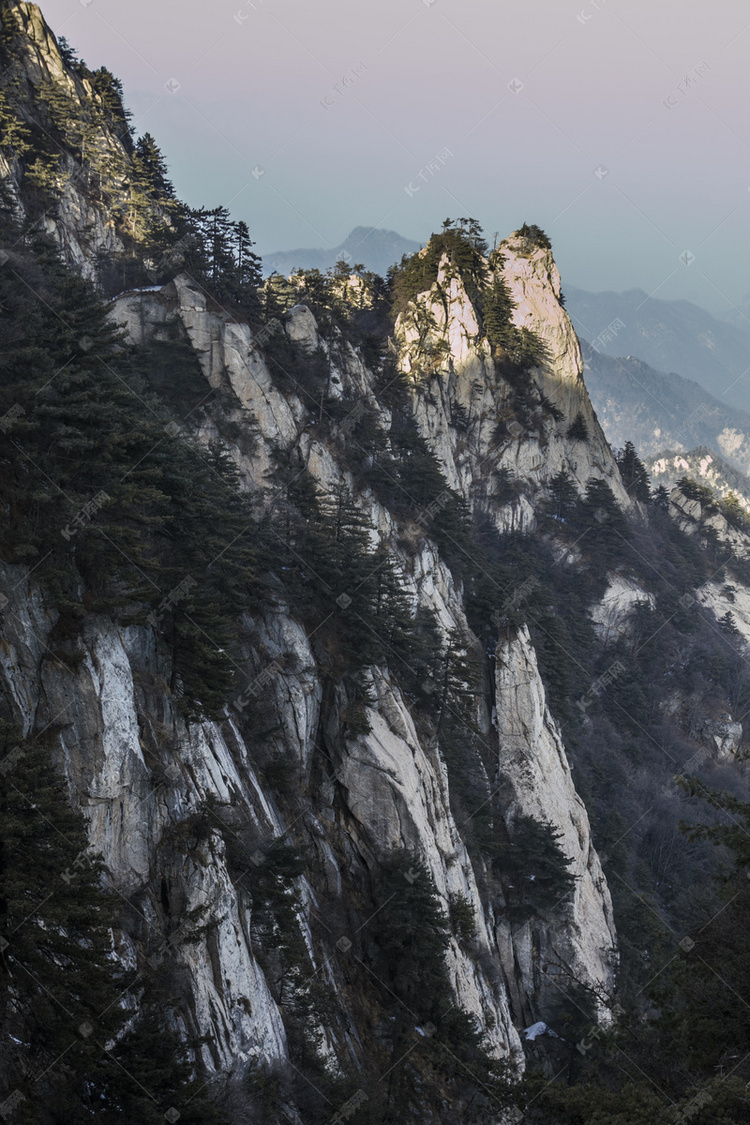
[(620, 126)]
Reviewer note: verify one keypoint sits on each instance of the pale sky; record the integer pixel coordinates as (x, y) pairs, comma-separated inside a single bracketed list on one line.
[(619, 126)]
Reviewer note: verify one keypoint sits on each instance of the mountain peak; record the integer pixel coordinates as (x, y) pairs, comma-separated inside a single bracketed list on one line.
[(373, 247)]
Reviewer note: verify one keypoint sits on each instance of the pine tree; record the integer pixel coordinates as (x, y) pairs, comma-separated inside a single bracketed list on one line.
[(534, 869), (728, 625), (157, 1074), (278, 296), (57, 982), (535, 235), (457, 682), (110, 93), (154, 168), (633, 473), (660, 498), (578, 430), (497, 312), (15, 135), (393, 625), (351, 574), (153, 213), (121, 503), (421, 675), (709, 1014), (77, 123), (734, 512), (700, 492), (411, 933), (248, 266), (69, 54), (607, 527), (211, 578), (563, 496)]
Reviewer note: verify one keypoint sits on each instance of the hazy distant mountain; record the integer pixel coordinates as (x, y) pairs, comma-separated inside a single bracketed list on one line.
[(739, 316), (658, 411), (670, 335), (372, 247), (703, 465)]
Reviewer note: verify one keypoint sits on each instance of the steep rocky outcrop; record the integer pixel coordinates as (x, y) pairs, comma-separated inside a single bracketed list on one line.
[(536, 781), (612, 616), (394, 787), (461, 381), (84, 230), (142, 775), (185, 814)]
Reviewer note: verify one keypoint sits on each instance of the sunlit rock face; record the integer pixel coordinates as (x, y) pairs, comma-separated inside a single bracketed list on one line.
[(144, 777), (392, 784), (141, 774), (463, 407)]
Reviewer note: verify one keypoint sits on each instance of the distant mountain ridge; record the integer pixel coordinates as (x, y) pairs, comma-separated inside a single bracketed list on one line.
[(704, 466), (373, 247), (658, 411), (669, 335)]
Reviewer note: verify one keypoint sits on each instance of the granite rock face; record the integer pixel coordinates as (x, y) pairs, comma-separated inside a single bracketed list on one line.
[(465, 410), (162, 796), (142, 775), (578, 937)]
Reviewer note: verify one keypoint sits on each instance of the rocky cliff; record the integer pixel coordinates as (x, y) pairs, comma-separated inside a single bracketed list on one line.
[(189, 815), (84, 228), (387, 789), (141, 774), (464, 378)]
